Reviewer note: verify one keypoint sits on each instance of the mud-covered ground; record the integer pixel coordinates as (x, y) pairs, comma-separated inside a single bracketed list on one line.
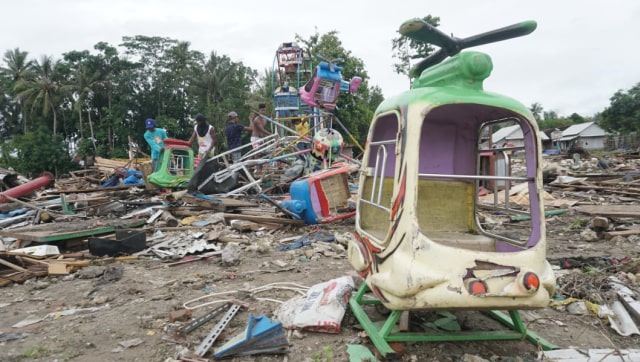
[(127, 319)]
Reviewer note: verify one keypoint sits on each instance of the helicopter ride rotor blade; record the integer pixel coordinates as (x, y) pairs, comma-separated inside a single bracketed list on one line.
[(420, 30), (508, 32), (427, 62), (423, 31)]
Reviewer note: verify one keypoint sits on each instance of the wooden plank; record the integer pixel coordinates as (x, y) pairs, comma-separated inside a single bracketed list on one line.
[(69, 230), (263, 219), (98, 189), (599, 188), (217, 203), (610, 234), (632, 211), (245, 225), (12, 266), (214, 204)]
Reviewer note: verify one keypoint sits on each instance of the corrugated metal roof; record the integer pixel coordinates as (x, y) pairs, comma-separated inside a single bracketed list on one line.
[(513, 133), (568, 138), (576, 129), (503, 133)]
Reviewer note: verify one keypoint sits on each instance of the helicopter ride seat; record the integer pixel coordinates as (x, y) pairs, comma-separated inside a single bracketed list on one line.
[(323, 87)]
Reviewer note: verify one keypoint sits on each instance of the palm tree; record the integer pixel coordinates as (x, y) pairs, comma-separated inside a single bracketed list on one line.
[(262, 87), (17, 69), (40, 88), (81, 89), (536, 109), (216, 75)]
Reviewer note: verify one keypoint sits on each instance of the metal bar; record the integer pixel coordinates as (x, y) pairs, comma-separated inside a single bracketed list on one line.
[(516, 323), (305, 137), (376, 205), (381, 337), (186, 329), (476, 177), (215, 332), (375, 143), (378, 340), (382, 170)]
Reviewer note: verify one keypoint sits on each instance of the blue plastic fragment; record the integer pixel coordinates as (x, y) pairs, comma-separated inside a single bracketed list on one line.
[(262, 335)]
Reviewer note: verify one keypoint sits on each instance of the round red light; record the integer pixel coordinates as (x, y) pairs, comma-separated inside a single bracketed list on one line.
[(476, 287), (531, 281)]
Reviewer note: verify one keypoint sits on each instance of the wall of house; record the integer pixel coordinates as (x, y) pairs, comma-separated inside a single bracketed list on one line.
[(592, 143)]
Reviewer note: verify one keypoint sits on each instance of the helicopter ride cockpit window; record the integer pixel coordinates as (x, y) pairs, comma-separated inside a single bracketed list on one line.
[(378, 172), (477, 180)]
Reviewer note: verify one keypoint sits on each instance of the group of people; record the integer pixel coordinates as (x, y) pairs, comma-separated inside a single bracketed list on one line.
[(205, 135)]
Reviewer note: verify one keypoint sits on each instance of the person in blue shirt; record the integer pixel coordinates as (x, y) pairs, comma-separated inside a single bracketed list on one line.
[(155, 138)]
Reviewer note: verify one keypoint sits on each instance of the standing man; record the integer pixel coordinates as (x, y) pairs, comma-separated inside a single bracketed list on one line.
[(233, 134), (206, 136), (155, 138), (259, 127)]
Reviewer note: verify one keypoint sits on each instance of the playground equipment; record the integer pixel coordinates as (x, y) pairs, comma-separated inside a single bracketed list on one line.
[(421, 240), (175, 165), (293, 70), (306, 96), (322, 196), (324, 86)]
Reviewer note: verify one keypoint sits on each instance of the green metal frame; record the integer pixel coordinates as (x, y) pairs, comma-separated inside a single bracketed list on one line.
[(381, 337)]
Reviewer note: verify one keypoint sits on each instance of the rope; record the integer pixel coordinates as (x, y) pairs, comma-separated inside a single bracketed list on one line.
[(298, 288)]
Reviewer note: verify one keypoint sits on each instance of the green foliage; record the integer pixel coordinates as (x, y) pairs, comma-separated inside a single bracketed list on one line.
[(35, 152), (623, 114), (445, 321), (536, 109), (548, 120), (36, 352), (577, 224), (85, 148), (328, 355), (552, 123), (105, 95)]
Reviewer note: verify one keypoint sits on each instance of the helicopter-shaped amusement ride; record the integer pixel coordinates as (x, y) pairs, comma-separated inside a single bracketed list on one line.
[(421, 241)]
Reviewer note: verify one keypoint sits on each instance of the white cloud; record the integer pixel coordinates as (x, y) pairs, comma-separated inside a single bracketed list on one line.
[(581, 53)]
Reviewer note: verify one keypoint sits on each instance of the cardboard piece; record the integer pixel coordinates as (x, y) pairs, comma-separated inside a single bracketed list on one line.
[(39, 250)]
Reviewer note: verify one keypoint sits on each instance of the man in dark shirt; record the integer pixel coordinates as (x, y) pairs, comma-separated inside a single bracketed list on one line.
[(233, 134)]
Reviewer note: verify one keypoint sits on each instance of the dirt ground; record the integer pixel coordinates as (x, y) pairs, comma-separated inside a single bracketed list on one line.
[(128, 319)]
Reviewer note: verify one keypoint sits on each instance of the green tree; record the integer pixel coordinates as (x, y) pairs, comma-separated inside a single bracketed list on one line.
[(115, 99), (576, 118), (546, 115), (406, 49), (17, 69), (35, 152), (80, 83), (537, 111), (40, 89), (354, 110), (623, 114)]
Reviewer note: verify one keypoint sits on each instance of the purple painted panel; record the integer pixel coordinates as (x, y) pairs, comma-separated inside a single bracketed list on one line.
[(448, 140)]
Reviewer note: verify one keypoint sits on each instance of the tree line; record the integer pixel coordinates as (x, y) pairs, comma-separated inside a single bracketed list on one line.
[(95, 102)]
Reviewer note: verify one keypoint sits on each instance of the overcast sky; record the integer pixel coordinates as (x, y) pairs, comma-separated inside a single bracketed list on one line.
[(582, 52)]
